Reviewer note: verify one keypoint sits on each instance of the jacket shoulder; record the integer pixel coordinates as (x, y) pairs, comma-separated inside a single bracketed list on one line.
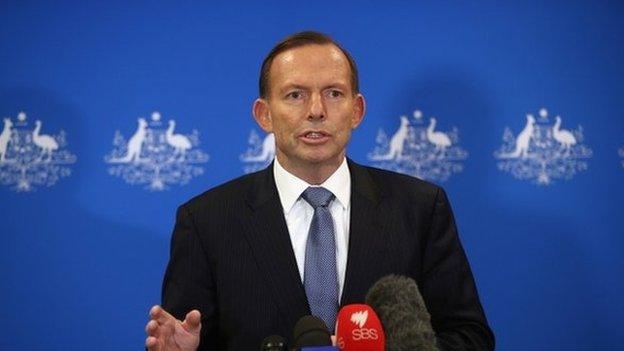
[(398, 185), (232, 190)]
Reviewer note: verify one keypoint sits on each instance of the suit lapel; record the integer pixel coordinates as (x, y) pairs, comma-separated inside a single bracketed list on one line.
[(270, 243), (365, 235)]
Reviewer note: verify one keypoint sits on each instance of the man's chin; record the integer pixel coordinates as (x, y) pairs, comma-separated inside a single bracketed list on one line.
[(323, 159), (312, 158)]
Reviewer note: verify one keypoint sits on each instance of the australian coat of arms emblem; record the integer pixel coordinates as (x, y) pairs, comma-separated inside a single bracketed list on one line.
[(543, 151), (155, 155), (419, 150), (260, 152), (29, 157)]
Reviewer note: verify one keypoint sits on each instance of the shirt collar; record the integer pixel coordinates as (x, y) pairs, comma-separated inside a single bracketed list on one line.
[(290, 187)]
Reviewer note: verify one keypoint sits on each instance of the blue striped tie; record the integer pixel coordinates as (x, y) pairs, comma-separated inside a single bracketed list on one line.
[(320, 276)]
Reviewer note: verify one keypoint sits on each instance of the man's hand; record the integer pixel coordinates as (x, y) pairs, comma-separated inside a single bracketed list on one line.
[(165, 333)]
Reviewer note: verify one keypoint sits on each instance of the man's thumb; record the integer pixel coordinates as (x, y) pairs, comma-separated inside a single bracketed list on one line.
[(192, 322)]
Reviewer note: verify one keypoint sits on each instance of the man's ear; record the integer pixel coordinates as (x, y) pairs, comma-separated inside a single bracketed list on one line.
[(262, 115), (359, 109)]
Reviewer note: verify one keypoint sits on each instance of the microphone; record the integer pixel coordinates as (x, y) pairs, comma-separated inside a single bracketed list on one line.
[(311, 334), (273, 343), (358, 329), (403, 313)]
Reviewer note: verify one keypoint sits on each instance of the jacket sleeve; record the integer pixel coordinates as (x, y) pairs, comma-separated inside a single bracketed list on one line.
[(188, 282), (448, 287)]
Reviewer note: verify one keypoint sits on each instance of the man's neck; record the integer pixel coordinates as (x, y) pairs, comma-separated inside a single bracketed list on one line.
[(313, 174)]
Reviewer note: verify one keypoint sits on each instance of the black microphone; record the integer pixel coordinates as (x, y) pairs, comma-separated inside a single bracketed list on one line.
[(311, 331), (273, 343), (403, 314)]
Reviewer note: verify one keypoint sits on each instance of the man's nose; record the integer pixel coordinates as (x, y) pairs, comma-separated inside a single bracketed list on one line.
[(317, 109)]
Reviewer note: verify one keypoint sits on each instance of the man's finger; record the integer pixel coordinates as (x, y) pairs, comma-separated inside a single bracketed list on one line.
[(152, 344), (160, 315), (152, 328)]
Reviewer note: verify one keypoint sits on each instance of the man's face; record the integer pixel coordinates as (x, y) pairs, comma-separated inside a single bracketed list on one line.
[(311, 107)]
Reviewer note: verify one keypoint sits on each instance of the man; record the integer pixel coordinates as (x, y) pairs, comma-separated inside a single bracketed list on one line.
[(249, 258)]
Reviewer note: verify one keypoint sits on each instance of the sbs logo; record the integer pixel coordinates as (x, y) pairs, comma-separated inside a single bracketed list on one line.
[(361, 333), (365, 334)]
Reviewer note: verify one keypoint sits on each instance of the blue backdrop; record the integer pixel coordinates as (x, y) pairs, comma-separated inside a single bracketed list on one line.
[(88, 196)]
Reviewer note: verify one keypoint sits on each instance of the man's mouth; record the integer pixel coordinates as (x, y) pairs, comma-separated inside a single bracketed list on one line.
[(314, 136)]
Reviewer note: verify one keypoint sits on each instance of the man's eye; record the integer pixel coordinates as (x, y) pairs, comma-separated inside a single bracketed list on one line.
[(334, 93), (294, 95)]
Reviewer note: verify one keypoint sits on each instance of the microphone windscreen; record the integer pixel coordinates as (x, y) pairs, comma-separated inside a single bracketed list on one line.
[(403, 314), (273, 343), (358, 329), (311, 331)]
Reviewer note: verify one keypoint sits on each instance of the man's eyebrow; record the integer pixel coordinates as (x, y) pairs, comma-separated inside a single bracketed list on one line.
[(336, 85), (290, 86)]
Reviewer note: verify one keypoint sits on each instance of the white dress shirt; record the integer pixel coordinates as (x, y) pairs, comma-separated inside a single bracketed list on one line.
[(298, 213)]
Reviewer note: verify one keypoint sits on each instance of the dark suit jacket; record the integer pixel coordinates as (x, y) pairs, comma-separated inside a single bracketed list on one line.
[(232, 259)]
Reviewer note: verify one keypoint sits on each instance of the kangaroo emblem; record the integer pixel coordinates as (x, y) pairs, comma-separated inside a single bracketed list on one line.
[(5, 136), (523, 140), (135, 144), (397, 142), (266, 154)]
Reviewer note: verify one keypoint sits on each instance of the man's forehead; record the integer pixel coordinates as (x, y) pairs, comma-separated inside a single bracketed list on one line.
[(302, 60), (311, 51)]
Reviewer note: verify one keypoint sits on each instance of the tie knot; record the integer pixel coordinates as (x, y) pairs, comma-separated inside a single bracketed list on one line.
[(317, 196)]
